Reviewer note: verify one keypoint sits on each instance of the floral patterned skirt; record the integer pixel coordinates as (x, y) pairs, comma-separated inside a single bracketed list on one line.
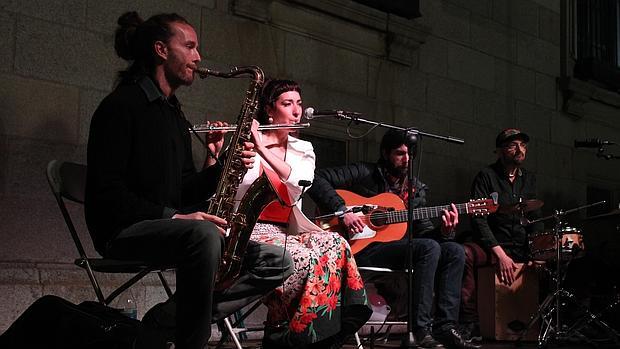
[(324, 295)]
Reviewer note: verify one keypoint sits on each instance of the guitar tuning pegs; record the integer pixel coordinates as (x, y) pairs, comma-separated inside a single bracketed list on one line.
[(495, 197)]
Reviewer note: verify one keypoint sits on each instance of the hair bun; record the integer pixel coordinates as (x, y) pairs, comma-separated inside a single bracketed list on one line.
[(129, 19), (123, 39)]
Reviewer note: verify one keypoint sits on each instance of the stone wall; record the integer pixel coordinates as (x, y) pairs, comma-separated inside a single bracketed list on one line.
[(466, 68)]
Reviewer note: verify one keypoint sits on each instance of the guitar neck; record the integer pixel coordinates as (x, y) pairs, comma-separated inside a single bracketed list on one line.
[(422, 213)]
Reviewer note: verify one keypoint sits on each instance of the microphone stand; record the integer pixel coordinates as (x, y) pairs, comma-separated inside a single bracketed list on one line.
[(355, 117), (607, 156), (412, 139), (409, 340)]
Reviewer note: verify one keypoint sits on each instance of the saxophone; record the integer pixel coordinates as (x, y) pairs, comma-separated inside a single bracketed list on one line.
[(241, 220)]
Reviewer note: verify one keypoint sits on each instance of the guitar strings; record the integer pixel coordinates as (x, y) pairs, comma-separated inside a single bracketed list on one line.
[(422, 212)]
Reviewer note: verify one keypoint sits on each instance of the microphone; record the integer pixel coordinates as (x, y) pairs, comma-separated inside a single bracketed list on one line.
[(310, 113), (354, 209), (304, 183), (334, 214), (592, 143)]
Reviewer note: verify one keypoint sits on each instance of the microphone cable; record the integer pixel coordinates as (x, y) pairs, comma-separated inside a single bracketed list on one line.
[(305, 184)]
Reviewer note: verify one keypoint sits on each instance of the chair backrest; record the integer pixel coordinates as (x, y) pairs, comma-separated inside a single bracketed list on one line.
[(68, 181)]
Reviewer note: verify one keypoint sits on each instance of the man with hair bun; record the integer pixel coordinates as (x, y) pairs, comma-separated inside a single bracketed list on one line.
[(145, 198)]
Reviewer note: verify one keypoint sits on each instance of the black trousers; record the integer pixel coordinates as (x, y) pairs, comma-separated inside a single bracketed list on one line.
[(194, 248), (438, 271)]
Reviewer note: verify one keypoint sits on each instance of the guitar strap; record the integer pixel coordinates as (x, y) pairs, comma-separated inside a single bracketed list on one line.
[(277, 211), (398, 186)]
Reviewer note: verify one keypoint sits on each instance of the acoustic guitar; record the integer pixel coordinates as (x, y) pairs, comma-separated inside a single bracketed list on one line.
[(385, 216)]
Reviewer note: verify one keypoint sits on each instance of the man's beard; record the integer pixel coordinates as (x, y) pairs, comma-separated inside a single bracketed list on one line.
[(513, 161), (396, 171), (176, 79)]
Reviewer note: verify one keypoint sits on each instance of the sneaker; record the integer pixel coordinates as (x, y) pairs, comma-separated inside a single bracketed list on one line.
[(470, 331), (426, 341), (452, 339)]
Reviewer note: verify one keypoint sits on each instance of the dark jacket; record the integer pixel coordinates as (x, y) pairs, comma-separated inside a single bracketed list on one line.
[(365, 179), (140, 164), (505, 229)]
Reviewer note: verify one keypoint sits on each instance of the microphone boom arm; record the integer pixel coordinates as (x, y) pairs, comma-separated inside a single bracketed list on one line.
[(355, 117)]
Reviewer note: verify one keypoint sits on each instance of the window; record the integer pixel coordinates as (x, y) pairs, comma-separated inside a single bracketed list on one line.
[(594, 40)]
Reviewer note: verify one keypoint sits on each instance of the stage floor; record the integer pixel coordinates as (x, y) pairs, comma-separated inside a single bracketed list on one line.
[(395, 343)]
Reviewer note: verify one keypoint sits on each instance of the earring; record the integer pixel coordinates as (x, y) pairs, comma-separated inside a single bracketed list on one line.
[(270, 120)]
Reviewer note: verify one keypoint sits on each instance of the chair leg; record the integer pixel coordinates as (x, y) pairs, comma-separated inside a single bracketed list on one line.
[(164, 283), (387, 333), (94, 283), (126, 285), (358, 341), (232, 333), (239, 320)]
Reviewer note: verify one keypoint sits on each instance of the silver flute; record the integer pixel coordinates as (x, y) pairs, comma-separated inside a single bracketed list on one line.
[(203, 128)]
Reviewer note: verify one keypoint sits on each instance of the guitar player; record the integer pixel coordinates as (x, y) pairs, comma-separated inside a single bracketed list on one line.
[(437, 259)]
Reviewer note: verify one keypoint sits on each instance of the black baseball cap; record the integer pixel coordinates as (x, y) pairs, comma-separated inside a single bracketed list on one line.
[(510, 134)]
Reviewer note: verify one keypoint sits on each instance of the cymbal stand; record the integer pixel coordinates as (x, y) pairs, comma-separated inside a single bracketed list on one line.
[(549, 311)]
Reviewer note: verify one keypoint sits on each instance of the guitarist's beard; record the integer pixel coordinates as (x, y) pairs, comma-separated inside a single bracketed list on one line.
[(398, 172)]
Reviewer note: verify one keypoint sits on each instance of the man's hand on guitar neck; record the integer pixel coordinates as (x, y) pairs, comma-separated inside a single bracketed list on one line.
[(449, 218), (449, 221), (353, 223)]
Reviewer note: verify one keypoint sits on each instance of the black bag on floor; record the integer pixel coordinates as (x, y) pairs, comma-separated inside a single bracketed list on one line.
[(52, 322)]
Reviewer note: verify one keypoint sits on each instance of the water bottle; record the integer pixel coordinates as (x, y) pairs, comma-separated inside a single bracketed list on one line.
[(127, 305)]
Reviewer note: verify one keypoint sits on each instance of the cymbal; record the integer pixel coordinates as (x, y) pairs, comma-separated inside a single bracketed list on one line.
[(523, 206), (615, 212)]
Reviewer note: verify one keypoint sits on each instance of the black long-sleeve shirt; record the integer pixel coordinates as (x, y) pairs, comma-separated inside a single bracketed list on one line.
[(505, 229), (140, 163), (365, 179)]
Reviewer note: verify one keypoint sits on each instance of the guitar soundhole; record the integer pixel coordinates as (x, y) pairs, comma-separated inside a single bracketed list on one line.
[(378, 218)]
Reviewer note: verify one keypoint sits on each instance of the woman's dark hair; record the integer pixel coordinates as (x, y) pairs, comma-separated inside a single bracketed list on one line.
[(134, 39), (391, 140), (270, 93)]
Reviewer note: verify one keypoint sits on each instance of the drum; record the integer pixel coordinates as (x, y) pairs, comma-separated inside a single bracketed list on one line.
[(543, 245)]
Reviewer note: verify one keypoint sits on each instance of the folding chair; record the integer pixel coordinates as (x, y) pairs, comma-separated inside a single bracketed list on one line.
[(68, 182), (368, 273)]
